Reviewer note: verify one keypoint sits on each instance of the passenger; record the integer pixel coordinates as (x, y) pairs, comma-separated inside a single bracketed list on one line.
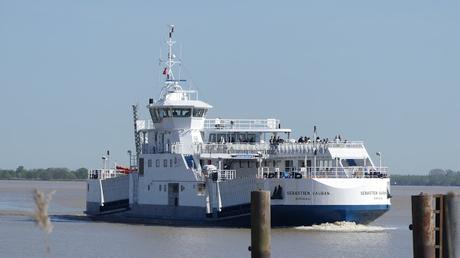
[(300, 140)]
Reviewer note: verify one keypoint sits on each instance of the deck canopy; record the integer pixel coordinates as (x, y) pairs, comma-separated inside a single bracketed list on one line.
[(348, 153)]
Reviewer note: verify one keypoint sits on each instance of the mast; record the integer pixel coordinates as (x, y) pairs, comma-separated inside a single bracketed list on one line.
[(137, 137), (168, 70)]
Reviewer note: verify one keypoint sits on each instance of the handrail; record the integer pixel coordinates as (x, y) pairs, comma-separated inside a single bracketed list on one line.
[(327, 172), (257, 148), (103, 174), (218, 123)]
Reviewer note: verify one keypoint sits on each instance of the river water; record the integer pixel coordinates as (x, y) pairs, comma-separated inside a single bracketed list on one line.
[(20, 237)]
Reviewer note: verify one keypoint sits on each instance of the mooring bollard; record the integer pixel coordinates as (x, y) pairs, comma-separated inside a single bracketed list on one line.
[(423, 226), (260, 224), (451, 226)]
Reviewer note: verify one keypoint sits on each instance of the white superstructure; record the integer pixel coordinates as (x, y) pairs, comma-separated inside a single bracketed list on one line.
[(197, 170)]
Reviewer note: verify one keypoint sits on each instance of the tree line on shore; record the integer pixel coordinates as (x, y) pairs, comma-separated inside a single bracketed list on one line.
[(436, 176), (44, 173)]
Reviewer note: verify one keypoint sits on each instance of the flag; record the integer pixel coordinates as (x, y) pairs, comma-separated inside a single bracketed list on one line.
[(165, 71), (124, 170)]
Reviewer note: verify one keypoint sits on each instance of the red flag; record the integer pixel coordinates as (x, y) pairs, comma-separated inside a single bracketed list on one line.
[(124, 170), (165, 71)]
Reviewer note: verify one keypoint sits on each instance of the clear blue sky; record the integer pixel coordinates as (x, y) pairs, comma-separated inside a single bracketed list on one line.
[(386, 72)]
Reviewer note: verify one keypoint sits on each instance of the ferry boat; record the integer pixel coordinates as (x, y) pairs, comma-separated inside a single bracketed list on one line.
[(191, 170)]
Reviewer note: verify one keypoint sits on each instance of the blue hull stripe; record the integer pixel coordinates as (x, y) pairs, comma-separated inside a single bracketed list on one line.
[(307, 215)]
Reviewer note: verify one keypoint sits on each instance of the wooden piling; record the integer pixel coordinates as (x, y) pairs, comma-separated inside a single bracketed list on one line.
[(260, 224), (451, 245), (423, 226)]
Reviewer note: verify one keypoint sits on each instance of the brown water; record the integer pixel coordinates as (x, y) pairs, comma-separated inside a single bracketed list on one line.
[(20, 237)]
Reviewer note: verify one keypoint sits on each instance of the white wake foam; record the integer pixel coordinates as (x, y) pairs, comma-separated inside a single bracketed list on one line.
[(344, 226)]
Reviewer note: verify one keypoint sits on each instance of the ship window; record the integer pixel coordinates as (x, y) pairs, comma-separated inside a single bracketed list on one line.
[(181, 112), (221, 137), (159, 188), (157, 163), (251, 138), (241, 164), (212, 137), (242, 137), (249, 164), (165, 112), (232, 138), (149, 163), (199, 112), (155, 115), (165, 163)]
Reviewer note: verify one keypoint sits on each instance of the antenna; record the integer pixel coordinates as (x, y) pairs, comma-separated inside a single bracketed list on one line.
[(168, 71)]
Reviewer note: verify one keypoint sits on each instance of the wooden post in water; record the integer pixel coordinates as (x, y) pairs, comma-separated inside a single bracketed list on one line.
[(423, 226), (451, 245), (260, 224)]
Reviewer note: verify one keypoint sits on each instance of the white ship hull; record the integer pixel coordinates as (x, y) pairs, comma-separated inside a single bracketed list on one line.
[(299, 202)]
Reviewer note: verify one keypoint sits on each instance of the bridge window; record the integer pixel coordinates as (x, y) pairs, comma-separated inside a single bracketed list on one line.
[(199, 112), (165, 112), (155, 115), (181, 112)]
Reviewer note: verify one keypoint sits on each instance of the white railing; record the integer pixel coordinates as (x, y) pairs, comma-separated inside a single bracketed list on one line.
[(220, 175), (218, 123), (232, 148), (326, 172), (276, 149), (103, 173), (226, 174)]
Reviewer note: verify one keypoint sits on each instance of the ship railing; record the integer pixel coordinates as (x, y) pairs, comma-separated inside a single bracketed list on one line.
[(325, 172), (103, 174), (232, 148), (227, 174), (237, 124), (222, 175), (286, 148)]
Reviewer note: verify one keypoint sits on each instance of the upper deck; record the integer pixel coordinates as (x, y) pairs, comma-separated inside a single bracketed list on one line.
[(246, 125), (230, 125)]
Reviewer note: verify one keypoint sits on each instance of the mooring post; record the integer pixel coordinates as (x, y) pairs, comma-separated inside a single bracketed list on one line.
[(260, 224), (423, 226), (451, 245)]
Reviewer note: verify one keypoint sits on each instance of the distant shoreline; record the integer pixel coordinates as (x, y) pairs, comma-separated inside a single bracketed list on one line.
[(44, 180)]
